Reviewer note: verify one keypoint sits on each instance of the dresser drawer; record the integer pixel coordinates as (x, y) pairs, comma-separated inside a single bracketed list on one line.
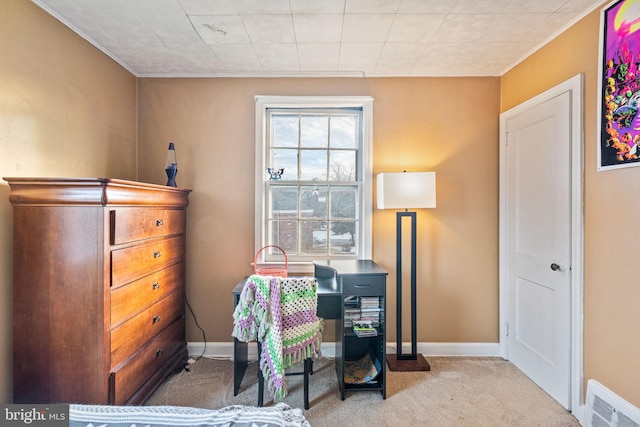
[(133, 262), (127, 378), (134, 333), (130, 299), (364, 285), (131, 224)]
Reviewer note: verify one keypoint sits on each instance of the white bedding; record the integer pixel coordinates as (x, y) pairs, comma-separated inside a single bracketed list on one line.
[(280, 415)]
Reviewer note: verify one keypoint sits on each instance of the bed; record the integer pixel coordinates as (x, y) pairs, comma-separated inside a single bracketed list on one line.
[(279, 415)]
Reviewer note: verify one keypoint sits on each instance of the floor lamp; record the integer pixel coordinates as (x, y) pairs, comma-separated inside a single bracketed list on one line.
[(406, 190)]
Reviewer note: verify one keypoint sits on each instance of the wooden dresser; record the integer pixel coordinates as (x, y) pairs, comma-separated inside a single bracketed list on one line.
[(99, 283)]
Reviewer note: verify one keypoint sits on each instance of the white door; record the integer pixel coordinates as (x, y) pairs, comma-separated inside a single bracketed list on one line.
[(538, 254)]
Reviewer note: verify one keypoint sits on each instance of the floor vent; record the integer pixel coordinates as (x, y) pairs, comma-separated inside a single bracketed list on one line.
[(607, 409)]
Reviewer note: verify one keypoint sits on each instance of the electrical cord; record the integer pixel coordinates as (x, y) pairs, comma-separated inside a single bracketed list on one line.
[(195, 319)]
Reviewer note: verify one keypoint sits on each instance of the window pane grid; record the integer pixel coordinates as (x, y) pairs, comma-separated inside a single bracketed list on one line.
[(311, 219), (312, 209)]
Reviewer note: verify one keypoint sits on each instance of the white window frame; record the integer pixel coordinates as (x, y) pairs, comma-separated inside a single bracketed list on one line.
[(366, 200)]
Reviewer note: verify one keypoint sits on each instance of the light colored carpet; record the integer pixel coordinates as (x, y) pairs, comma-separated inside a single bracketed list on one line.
[(458, 391)]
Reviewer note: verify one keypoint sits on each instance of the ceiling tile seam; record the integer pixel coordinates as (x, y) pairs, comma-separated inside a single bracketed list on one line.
[(295, 38), (341, 34), (377, 63)]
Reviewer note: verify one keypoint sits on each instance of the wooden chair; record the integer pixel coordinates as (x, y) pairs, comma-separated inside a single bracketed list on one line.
[(298, 312), (308, 370)]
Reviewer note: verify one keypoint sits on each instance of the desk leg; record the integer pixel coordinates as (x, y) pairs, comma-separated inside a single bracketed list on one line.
[(240, 361), (240, 357)]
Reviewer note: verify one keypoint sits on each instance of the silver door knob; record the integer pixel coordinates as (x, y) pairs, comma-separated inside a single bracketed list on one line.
[(555, 267)]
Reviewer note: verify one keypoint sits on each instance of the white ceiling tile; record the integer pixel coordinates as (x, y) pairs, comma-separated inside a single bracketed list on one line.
[(262, 7), (281, 68), (209, 7), (505, 6), (401, 53), (318, 68), (516, 27), (318, 53), (444, 54), (323, 28), (86, 26), (315, 6), (579, 5), (173, 28), (551, 25), (124, 27), (414, 27), (236, 56), (487, 27), (372, 6), (275, 54), (494, 52), (390, 70), (220, 29), (360, 53), (430, 70), (366, 28), (357, 70), (154, 7), (269, 28), (303, 37), (425, 6), (61, 6), (464, 28), (174, 58), (96, 6)]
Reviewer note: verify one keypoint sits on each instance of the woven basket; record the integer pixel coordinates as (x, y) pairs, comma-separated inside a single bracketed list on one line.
[(271, 270)]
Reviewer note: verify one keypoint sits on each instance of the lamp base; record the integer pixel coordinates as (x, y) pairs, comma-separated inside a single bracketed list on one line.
[(419, 364)]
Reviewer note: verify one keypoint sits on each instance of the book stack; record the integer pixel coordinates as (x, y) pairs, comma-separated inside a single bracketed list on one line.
[(364, 329), (351, 310), (362, 313), (370, 310)]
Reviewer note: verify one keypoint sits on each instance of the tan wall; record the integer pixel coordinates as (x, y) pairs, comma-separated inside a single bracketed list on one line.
[(611, 286), (446, 125), (65, 110)]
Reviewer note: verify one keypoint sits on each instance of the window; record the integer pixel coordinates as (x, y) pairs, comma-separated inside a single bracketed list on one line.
[(313, 180)]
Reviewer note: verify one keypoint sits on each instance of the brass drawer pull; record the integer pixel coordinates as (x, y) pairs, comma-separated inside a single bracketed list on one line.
[(156, 319), (157, 254), (159, 222), (155, 286)]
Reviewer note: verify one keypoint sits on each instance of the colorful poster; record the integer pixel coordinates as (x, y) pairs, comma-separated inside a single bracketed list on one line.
[(620, 86)]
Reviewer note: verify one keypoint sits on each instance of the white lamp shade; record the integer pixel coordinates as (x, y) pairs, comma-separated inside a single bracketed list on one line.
[(406, 190)]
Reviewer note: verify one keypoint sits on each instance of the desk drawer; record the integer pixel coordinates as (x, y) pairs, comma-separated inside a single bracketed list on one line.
[(131, 224), (134, 262), (364, 285), (129, 377), (134, 333), (130, 299)]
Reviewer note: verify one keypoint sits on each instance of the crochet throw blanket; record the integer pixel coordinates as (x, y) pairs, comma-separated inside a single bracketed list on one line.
[(279, 313)]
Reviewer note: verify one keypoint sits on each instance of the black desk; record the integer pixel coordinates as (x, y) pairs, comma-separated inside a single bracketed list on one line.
[(329, 307), (358, 279)]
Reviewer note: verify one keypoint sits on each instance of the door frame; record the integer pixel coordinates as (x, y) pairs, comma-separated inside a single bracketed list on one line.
[(575, 86)]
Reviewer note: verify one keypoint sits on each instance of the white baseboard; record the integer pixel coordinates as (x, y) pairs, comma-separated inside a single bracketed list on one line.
[(224, 350), (477, 349)]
